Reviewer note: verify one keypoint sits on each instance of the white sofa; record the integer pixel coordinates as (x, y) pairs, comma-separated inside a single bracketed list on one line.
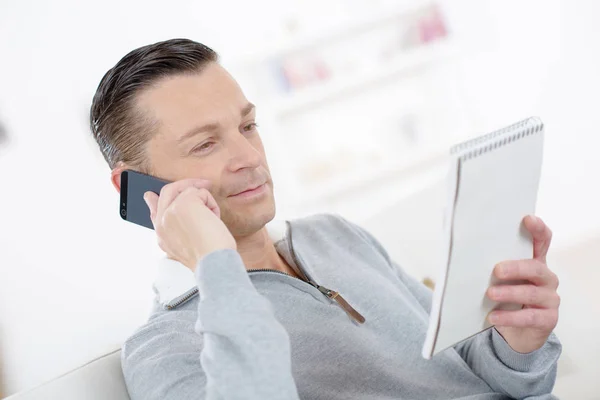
[(100, 379)]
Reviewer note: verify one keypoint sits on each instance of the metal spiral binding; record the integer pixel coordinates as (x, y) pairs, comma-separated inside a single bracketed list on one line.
[(521, 129)]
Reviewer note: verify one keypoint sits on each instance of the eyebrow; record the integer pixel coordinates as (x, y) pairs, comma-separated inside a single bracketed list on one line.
[(213, 126), (248, 109), (197, 131)]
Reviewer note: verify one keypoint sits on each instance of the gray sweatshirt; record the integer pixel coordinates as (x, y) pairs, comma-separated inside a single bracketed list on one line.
[(266, 335)]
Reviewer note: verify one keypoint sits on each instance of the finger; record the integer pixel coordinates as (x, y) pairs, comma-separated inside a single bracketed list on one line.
[(541, 234), (210, 202), (204, 196), (534, 271), (151, 200), (170, 191), (530, 295), (545, 319)]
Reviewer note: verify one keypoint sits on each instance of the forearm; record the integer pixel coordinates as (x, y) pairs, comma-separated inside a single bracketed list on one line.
[(246, 351), (232, 348)]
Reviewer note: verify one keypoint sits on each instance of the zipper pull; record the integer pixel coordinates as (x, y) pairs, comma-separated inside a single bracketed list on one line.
[(332, 294)]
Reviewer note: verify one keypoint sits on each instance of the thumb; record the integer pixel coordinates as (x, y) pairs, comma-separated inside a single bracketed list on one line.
[(151, 200)]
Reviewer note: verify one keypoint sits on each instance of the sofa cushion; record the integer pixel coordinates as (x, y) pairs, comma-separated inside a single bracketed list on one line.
[(100, 379)]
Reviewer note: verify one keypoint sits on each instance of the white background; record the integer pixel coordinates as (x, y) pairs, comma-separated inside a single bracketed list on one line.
[(75, 280)]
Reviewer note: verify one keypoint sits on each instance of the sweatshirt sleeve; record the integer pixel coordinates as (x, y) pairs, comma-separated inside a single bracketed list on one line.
[(232, 348), (507, 371), (488, 355)]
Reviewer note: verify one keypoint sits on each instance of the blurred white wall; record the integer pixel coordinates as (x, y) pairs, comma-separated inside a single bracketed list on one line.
[(75, 280)]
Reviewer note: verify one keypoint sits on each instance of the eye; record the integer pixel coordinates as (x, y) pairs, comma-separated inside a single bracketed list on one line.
[(250, 127), (203, 147)]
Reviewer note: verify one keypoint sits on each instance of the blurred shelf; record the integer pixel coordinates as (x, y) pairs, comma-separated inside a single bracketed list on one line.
[(3, 135), (418, 160), (358, 24), (420, 57)]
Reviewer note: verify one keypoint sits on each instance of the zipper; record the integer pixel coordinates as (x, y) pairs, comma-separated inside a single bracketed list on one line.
[(273, 270), (194, 291), (331, 294), (183, 299)]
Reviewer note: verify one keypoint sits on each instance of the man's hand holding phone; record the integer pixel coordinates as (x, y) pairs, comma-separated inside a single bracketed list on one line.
[(187, 221)]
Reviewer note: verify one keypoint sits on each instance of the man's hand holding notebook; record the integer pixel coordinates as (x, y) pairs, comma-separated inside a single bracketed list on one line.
[(527, 329), (492, 186)]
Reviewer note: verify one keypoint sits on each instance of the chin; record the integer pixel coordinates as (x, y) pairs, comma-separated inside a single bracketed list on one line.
[(249, 219)]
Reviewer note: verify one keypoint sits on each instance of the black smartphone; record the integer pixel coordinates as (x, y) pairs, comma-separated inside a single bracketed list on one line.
[(133, 208)]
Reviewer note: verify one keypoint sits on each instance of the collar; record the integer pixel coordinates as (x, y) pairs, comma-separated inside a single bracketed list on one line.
[(173, 279)]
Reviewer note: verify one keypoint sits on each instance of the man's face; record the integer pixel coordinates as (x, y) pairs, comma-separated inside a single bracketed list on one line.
[(206, 129)]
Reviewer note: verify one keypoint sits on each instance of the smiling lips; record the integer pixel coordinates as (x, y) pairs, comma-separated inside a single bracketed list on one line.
[(251, 191)]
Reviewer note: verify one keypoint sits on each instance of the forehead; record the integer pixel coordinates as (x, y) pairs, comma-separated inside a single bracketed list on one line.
[(206, 97)]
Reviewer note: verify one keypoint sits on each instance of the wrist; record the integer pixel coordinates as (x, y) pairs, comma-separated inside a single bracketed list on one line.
[(199, 256), (522, 342), (526, 347)]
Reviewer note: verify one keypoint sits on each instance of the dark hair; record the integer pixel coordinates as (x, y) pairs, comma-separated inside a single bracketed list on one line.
[(120, 129)]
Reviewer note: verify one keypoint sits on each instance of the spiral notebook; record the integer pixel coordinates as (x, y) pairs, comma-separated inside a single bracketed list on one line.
[(492, 185)]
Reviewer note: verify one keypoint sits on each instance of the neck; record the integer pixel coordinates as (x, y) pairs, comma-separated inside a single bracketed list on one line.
[(258, 252)]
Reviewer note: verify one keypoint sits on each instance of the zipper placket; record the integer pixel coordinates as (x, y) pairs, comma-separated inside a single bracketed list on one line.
[(183, 299), (331, 294)]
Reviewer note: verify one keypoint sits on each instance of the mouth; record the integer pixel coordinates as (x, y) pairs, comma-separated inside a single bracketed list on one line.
[(251, 191)]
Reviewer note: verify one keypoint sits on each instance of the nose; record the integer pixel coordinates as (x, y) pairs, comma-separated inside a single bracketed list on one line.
[(242, 154)]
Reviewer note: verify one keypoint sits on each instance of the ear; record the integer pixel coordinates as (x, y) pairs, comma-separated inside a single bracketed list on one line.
[(115, 176)]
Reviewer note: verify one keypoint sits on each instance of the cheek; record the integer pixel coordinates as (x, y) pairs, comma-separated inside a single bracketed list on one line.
[(193, 169)]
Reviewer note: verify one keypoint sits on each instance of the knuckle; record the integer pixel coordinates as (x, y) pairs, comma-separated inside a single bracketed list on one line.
[(165, 189), (168, 212), (168, 215), (527, 268), (554, 319), (550, 321), (160, 234), (506, 292), (506, 270), (197, 193), (557, 299), (532, 295), (532, 318), (191, 192), (539, 268), (516, 268), (164, 246), (185, 192)]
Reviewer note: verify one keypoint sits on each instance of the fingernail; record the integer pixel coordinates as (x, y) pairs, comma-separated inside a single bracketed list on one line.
[(493, 318), (533, 218), (494, 291), (145, 199)]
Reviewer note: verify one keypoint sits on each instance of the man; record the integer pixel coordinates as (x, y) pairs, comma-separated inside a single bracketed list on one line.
[(318, 311)]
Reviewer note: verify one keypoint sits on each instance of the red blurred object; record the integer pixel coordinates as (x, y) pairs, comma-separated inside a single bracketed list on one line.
[(432, 27)]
